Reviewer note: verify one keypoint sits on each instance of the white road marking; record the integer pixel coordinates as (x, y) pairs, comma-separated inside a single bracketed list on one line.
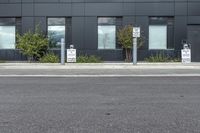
[(102, 75)]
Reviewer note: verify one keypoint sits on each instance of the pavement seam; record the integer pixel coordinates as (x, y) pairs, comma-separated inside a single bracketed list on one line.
[(88, 76)]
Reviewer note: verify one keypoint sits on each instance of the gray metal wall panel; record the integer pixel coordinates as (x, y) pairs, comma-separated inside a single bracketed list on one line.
[(194, 20), (155, 9), (193, 8), (104, 1), (4, 1), (66, 1), (52, 9), (28, 24), (143, 22), (128, 20), (11, 55), (47, 1), (74, 1), (10, 10), (102, 9), (78, 32), (152, 1), (78, 9), (194, 39), (15, 1), (180, 32), (42, 23), (27, 1), (27, 9), (128, 9), (181, 8), (91, 33)]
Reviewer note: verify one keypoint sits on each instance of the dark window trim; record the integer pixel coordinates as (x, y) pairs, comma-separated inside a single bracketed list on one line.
[(17, 22), (117, 25), (68, 30), (169, 22)]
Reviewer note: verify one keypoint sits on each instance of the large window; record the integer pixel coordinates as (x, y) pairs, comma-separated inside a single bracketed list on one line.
[(157, 37), (56, 31), (106, 33), (7, 33), (161, 33)]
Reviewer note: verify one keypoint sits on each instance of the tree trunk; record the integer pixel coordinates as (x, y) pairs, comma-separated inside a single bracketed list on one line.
[(126, 60), (128, 55), (30, 58)]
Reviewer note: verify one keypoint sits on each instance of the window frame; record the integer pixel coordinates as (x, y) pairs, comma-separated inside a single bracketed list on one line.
[(165, 40), (169, 22), (65, 18), (116, 24), (104, 48), (17, 26)]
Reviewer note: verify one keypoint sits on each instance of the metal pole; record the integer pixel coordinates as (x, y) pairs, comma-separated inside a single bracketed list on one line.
[(62, 51), (134, 51)]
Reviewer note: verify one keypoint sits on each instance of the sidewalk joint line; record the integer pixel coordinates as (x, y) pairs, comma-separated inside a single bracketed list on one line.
[(85, 76)]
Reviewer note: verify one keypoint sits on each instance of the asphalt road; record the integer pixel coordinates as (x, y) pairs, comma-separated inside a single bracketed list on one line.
[(100, 105)]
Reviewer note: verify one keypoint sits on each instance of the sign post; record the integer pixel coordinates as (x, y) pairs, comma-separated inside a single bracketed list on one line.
[(62, 51), (134, 50), (136, 34)]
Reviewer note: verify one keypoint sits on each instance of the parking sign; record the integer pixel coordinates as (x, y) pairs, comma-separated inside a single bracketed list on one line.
[(136, 31), (186, 55), (71, 55)]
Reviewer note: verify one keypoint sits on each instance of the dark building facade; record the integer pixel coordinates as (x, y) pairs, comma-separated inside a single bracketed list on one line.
[(91, 25)]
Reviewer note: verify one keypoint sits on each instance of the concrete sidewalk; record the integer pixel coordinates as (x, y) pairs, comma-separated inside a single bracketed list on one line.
[(100, 70), (99, 66)]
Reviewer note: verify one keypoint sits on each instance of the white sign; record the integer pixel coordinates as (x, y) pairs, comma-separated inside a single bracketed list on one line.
[(71, 55), (186, 55), (136, 31)]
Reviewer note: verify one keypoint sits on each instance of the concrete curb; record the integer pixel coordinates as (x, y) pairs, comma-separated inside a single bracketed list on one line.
[(99, 66)]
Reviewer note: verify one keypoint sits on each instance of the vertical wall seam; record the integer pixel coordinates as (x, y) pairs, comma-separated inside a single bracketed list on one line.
[(34, 15)]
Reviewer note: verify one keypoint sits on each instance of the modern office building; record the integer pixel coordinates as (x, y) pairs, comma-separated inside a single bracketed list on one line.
[(91, 25)]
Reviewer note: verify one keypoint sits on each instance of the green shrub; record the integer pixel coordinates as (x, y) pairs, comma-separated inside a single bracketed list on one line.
[(161, 58), (2, 61), (49, 58), (88, 59), (176, 60), (158, 58), (32, 44), (82, 59)]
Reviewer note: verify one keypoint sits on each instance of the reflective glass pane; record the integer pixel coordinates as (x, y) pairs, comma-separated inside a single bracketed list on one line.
[(158, 37), (106, 21), (56, 21), (106, 37), (55, 33), (7, 37), (7, 21)]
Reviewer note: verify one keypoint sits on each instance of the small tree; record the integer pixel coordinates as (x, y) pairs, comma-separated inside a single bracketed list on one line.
[(125, 38), (32, 44)]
